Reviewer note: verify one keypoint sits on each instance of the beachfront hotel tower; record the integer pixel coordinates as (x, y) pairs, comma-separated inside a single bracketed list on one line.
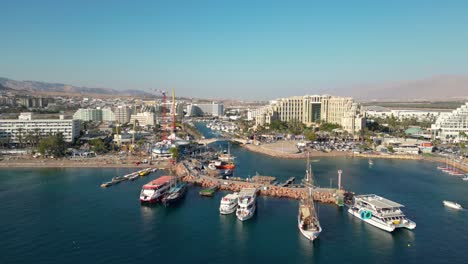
[(453, 125), (312, 109), (12, 130)]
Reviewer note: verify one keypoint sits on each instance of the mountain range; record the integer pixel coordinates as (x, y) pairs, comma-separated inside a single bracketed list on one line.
[(45, 88), (436, 88)]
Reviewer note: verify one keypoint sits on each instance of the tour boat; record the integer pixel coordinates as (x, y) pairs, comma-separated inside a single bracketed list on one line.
[(154, 190), (226, 156), (229, 203), (465, 178), (453, 205), (175, 193), (247, 203), (225, 165), (380, 212)]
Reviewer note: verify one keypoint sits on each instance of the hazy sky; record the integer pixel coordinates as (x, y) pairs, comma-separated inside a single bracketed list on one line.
[(239, 49)]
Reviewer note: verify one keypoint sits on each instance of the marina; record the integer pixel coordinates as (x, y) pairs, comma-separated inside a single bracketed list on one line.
[(144, 226)]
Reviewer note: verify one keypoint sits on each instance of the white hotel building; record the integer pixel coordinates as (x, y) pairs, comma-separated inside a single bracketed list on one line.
[(11, 128), (312, 109), (451, 125)]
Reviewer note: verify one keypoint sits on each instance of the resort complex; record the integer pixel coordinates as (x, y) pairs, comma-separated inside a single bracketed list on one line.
[(312, 109), (453, 125)]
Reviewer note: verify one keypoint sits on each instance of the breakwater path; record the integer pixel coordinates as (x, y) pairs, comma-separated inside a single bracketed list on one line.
[(323, 195)]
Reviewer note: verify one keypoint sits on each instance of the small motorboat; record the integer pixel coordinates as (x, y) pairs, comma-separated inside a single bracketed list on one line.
[(452, 205), (118, 179), (107, 184)]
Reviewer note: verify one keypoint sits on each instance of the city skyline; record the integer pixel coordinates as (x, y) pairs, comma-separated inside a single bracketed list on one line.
[(241, 50)]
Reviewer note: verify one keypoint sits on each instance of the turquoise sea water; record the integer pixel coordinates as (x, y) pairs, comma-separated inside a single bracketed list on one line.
[(63, 216)]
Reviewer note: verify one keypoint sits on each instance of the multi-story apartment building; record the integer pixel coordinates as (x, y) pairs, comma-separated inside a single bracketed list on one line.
[(213, 109), (97, 114), (11, 129), (452, 125), (88, 114), (311, 109), (122, 114), (143, 119)]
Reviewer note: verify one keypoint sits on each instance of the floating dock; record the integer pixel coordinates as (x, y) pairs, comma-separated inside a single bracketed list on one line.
[(129, 177), (288, 182)]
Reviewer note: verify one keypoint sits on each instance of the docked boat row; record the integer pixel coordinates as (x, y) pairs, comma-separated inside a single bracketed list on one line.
[(129, 177), (451, 169), (243, 203), (165, 189)]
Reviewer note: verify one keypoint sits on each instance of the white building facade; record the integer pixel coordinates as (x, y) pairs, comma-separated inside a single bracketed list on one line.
[(453, 126), (312, 109), (143, 119), (213, 109), (122, 114), (12, 129)]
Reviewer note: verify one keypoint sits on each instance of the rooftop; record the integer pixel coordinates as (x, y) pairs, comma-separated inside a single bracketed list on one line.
[(377, 201)]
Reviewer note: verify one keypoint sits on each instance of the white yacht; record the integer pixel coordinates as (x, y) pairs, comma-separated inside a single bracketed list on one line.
[(247, 203), (452, 205), (380, 212), (229, 203)]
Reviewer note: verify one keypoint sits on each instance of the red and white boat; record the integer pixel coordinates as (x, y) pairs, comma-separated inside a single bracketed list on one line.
[(221, 165), (154, 190)]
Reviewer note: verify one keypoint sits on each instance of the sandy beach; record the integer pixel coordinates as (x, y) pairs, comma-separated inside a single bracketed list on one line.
[(107, 161)]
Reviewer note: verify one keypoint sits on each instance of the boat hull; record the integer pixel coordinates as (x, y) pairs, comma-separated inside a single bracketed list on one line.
[(372, 222), (150, 199), (167, 201), (246, 216), (225, 210), (311, 235), (452, 205)]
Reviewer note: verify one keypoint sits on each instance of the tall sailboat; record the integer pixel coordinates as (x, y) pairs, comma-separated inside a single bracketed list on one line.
[(307, 218)]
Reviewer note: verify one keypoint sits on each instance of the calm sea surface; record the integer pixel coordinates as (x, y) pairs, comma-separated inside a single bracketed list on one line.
[(63, 216)]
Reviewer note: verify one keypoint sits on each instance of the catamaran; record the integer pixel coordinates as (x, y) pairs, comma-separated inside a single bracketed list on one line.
[(380, 212), (247, 203), (307, 218)]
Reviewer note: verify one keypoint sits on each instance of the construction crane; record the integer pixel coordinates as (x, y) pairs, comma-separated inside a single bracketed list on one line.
[(164, 120), (173, 113)]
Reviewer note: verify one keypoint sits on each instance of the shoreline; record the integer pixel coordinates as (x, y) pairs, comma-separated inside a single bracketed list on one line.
[(31, 163), (333, 154), (110, 162)]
